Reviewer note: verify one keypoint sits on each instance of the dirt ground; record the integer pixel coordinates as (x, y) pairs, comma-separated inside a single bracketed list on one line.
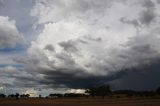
[(80, 102)]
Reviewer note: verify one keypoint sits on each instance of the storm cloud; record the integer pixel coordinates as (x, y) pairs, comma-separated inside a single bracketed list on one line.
[(80, 43), (113, 42)]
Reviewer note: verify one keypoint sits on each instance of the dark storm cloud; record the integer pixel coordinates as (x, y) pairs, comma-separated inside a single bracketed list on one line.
[(76, 79), (144, 78), (27, 81)]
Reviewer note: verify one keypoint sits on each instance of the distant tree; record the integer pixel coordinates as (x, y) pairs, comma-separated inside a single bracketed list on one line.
[(40, 96), (74, 95), (158, 90), (17, 96), (92, 91), (2, 95), (24, 96), (99, 91), (104, 90), (12, 96), (27, 95)]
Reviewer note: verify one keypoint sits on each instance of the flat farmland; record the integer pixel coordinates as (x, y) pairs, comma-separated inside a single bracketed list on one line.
[(81, 102)]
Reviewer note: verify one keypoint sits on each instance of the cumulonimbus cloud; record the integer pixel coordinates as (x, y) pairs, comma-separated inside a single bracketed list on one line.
[(93, 38), (90, 42)]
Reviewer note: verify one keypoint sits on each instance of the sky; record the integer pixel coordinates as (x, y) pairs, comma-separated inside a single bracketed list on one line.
[(51, 46)]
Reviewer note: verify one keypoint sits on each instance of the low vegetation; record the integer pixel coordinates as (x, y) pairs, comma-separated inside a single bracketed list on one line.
[(94, 96)]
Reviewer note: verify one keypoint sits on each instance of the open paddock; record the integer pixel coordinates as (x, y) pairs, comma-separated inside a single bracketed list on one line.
[(81, 102)]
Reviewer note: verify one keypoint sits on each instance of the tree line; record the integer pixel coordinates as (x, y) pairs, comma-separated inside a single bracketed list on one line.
[(98, 91), (105, 90), (17, 96)]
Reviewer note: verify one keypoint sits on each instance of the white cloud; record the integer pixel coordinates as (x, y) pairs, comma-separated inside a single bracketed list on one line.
[(75, 91), (52, 10), (32, 92), (84, 24), (9, 34)]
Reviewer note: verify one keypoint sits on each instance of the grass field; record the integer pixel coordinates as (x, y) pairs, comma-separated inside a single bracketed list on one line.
[(81, 102)]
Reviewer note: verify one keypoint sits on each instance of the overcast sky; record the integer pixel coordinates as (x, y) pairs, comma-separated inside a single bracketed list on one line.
[(54, 45)]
